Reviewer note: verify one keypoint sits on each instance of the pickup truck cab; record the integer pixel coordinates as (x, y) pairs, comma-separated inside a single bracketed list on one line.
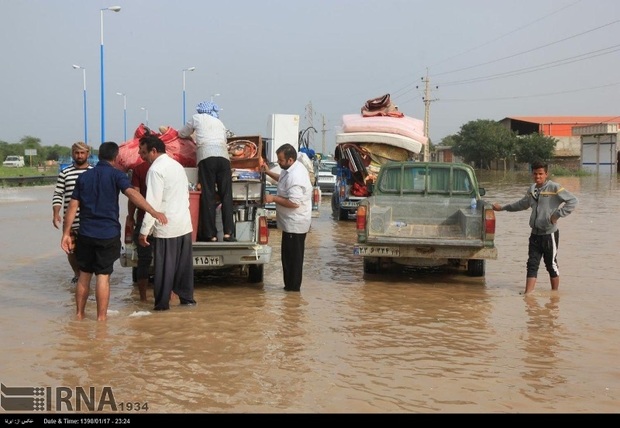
[(426, 214)]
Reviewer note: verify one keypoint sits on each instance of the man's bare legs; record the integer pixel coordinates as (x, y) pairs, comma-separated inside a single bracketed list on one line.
[(81, 293), (74, 264), (530, 283), (555, 283), (142, 284), (102, 293)]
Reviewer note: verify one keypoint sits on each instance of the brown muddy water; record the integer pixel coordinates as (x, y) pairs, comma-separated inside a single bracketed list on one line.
[(403, 342)]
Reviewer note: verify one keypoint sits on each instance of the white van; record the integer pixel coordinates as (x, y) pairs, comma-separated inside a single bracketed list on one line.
[(14, 161)]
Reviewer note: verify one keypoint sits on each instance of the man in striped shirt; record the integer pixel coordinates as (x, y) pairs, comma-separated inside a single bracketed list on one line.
[(62, 195)]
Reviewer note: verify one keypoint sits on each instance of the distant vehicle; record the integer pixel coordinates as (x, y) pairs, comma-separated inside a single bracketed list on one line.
[(270, 208), (325, 178), (65, 161), (14, 162)]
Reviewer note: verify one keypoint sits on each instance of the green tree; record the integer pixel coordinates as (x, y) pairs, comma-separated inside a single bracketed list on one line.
[(532, 147), (482, 141), (450, 140)]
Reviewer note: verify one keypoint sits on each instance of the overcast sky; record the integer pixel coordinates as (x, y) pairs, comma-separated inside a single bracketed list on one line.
[(484, 59)]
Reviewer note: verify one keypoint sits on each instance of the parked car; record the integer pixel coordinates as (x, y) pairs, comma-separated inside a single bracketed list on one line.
[(325, 179), (270, 208), (14, 161)]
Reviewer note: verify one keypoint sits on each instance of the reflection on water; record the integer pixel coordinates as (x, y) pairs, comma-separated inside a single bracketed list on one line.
[(408, 341), (541, 345)]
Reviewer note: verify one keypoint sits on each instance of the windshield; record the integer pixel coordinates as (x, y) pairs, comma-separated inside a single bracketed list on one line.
[(326, 166)]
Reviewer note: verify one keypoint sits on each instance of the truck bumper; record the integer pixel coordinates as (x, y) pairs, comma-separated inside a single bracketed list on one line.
[(214, 255), (424, 252)]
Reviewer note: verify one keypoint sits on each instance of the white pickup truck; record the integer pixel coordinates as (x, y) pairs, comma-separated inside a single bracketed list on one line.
[(249, 254)]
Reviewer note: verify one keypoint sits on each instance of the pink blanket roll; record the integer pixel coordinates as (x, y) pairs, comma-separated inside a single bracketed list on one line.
[(407, 126)]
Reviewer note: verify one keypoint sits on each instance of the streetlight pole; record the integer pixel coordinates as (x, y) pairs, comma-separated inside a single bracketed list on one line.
[(184, 70), (113, 9), (146, 110), (213, 96), (76, 67), (124, 114)]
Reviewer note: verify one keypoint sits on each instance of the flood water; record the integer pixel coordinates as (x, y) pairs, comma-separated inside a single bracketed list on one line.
[(402, 342)]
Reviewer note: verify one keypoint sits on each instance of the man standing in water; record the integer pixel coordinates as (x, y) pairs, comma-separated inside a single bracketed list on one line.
[(293, 212), (98, 243), (62, 196), (167, 189), (549, 202)]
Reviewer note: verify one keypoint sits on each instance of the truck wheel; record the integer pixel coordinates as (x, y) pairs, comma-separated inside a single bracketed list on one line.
[(255, 273), (334, 205), (475, 267), (371, 266)]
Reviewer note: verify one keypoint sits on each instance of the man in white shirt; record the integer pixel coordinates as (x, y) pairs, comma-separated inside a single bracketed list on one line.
[(293, 213), (167, 188), (214, 170)]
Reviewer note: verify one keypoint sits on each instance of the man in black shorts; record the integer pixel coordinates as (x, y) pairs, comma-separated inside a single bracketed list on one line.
[(99, 238)]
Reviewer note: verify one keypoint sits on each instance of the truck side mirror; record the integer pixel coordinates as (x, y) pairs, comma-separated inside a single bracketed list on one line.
[(482, 191)]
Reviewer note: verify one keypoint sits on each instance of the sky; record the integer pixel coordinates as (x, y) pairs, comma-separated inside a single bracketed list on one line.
[(319, 59)]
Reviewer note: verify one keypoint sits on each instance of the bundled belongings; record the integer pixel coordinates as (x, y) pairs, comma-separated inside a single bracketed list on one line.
[(183, 150), (380, 106)]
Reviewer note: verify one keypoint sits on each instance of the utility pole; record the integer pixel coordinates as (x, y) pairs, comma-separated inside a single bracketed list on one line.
[(427, 113), (324, 131), (309, 119)]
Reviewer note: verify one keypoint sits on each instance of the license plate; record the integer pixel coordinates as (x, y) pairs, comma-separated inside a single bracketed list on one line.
[(377, 251), (349, 204), (207, 260)]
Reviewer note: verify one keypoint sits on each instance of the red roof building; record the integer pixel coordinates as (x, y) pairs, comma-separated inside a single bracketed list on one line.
[(559, 127)]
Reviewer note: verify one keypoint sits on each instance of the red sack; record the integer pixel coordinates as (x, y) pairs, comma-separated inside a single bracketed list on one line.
[(183, 150), (359, 190)]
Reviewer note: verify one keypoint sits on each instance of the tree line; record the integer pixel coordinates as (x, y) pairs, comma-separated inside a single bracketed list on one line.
[(483, 142)]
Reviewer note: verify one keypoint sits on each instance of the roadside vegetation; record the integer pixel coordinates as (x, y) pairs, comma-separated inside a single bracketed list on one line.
[(484, 143), (44, 154)]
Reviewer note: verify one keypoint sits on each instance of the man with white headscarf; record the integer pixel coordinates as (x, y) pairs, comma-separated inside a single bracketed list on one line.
[(214, 171)]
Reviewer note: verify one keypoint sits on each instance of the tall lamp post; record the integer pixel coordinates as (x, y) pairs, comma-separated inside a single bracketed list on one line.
[(113, 9), (213, 96), (124, 114), (146, 110), (184, 70), (77, 67)]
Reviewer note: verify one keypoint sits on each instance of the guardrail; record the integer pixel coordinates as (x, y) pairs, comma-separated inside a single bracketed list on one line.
[(27, 181)]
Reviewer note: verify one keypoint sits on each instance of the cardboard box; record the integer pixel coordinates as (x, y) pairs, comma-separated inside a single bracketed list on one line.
[(246, 190)]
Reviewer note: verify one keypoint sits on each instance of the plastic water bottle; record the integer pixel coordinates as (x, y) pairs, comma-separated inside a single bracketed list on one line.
[(473, 204)]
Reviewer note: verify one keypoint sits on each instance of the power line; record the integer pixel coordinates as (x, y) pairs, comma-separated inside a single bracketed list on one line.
[(529, 50), (530, 96), (507, 34), (544, 66)]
